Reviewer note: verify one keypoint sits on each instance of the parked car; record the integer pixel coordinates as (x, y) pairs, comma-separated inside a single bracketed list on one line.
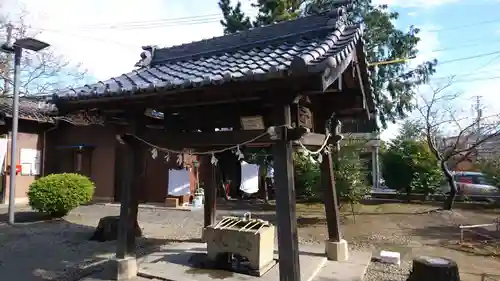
[(472, 183)]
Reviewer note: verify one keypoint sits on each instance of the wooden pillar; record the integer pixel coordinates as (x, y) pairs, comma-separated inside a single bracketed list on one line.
[(210, 188), (132, 171), (125, 252), (335, 247), (330, 198), (288, 246), (126, 166), (137, 181)]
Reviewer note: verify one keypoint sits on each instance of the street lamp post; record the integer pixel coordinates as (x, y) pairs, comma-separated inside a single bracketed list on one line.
[(17, 49)]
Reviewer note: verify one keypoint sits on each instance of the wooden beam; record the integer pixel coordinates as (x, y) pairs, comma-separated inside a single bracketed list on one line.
[(364, 76), (246, 93), (221, 138), (341, 101), (288, 246), (362, 88), (229, 93)]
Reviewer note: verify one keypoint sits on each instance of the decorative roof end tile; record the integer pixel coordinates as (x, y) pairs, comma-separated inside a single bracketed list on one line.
[(146, 56)]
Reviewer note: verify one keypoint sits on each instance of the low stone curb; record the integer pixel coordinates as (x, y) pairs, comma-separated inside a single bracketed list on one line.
[(151, 206)]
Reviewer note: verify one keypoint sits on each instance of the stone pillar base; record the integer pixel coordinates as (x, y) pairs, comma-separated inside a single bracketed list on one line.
[(337, 251), (203, 235), (126, 268)]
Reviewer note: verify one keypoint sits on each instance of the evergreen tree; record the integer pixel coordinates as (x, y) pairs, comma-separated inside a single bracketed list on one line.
[(273, 11), (394, 84), (234, 19), (410, 130)]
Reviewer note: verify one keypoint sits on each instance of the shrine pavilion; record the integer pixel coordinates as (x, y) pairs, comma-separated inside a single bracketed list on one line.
[(274, 86)]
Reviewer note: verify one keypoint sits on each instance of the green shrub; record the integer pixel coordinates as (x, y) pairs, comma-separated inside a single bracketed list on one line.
[(410, 167), (491, 170), (350, 175), (58, 194), (307, 176)]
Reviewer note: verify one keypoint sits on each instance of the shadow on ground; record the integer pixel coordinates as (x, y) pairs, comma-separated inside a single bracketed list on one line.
[(26, 217), (478, 241), (252, 205), (462, 205), (57, 249)]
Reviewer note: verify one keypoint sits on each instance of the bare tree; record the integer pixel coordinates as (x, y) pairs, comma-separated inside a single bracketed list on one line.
[(439, 117), (41, 72)]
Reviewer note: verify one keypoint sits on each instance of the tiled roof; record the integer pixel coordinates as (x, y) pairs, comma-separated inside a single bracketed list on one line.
[(33, 110), (302, 46)]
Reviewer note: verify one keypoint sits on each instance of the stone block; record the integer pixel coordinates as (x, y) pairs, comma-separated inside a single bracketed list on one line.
[(256, 246), (126, 268), (108, 227), (390, 257), (337, 251)]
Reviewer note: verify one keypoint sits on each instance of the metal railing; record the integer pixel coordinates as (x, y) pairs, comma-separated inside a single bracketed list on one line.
[(471, 226), (489, 277)]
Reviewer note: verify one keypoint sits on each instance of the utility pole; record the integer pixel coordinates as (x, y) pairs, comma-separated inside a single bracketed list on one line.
[(479, 113), (478, 109)]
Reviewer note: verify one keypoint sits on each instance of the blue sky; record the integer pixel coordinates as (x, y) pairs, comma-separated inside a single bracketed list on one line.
[(475, 37), (455, 30), (80, 30)]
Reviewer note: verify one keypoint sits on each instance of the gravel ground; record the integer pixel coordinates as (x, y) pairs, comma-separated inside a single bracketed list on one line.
[(52, 250), (33, 251), (386, 272)]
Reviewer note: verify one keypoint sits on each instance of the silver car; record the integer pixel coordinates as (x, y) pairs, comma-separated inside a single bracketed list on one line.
[(472, 183)]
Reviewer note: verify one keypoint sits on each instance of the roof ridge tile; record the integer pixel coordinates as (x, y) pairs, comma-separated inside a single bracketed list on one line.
[(256, 37)]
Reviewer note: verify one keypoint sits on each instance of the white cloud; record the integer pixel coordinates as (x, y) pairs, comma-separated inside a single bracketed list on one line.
[(412, 14), (486, 86), (107, 52), (391, 132), (429, 43), (415, 3)]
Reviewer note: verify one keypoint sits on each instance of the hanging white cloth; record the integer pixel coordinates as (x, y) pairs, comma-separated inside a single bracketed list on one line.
[(3, 150), (249, 178), (178, 182)]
